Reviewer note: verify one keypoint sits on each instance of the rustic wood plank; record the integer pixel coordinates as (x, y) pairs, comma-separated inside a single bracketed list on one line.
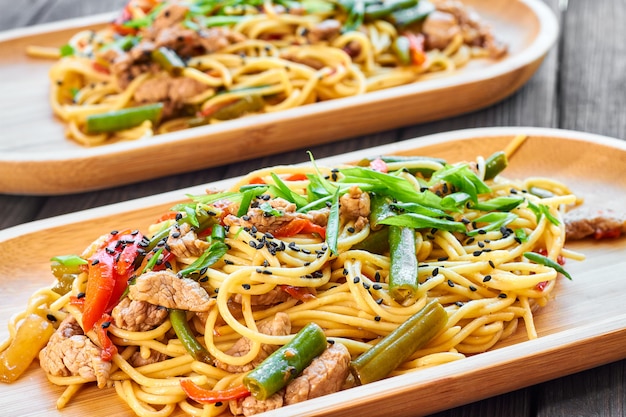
[(592, 84)]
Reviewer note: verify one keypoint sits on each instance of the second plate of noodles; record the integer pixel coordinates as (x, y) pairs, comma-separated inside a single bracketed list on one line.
[(300, 281), (163, 66)]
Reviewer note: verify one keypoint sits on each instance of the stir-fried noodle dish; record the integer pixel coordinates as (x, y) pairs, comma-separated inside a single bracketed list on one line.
[(169, 65), (297, 282)]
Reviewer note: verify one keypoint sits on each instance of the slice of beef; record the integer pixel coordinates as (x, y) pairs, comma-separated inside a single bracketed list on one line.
[(184, 243), (265, 222), (273, 296), (279, 325), (325, 375), (137, 360), (250, 406), (70, 352), (138, 316), (164, 288), (584, 221)]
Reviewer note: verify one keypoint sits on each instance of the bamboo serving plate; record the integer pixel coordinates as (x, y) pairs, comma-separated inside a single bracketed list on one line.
[(583, 326), (36, 158)]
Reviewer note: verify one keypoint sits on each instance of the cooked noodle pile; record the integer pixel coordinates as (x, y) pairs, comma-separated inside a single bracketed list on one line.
[(208, 61)]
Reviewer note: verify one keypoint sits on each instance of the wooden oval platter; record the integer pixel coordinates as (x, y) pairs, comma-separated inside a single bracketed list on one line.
[(36, 158), (584, 326)]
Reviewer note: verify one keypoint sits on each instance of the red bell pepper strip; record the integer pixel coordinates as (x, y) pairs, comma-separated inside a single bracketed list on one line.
[(204, 396), (296, 177), (109, 270), (108, 348), (256, 180), (300, 225), (416, 47), (100, 285)]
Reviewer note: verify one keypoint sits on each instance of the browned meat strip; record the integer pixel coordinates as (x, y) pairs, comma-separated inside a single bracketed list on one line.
[(172, 91), (137, 360), (138, 316), (355, 205), (280, 325), (250, 406), (324, 31), (164, 288), (453, 17), (440, 28), (274, 296), (184, 243), (70, 352), (325, 375), (587, 221), (259, 218)]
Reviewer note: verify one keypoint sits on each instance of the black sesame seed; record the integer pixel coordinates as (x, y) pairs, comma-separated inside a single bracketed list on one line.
[(472, 288), (204, 279), (379, 301), (106, 324), (450, 283), (491, 264), (51, 317), (487, 278), (95, 262), (477, 252), (502, 295), (435, 272), (377, 318), (246, 286), (377, 287), (356, 280), (80, 295), (351, 229), (443, 258)]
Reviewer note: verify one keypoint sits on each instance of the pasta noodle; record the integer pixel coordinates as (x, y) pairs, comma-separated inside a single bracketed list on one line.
[(271, 265), (208, 61)]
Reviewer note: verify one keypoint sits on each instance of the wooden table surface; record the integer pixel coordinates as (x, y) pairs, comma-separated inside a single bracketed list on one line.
[(580, 86)]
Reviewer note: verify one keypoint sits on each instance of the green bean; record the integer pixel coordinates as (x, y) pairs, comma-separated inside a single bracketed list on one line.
[(246, 104), (380, 209), (183, 331), (376, 242), (495, 164), (403, 282), (278, 369), (406, 17), (381, 10), (395, 348), (116, 120), (168, 60)]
